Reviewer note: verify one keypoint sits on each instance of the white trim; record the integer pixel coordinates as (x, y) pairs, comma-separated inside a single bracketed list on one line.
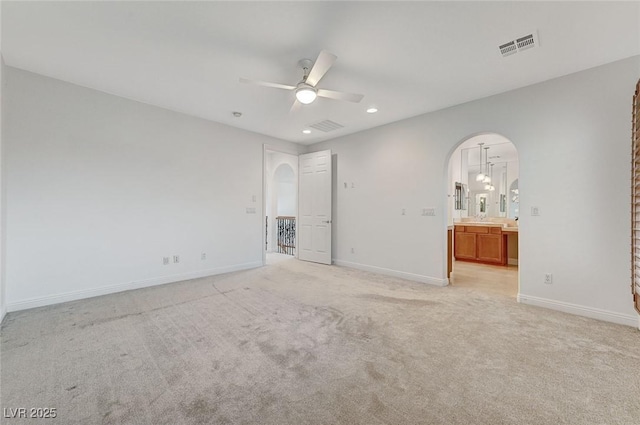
[(395, 273), (580, 310), (120, 287)]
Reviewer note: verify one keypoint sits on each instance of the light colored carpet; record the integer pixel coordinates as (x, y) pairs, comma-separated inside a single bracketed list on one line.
[(301, 343)]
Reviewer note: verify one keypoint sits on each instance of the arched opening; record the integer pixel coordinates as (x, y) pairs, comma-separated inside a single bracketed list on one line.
[(281, 204), (483, 212)]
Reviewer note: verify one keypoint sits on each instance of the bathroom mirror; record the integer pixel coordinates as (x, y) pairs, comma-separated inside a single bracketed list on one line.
[(460, 196), (503, 171), (470, 199), (481, 203), (514, 200)]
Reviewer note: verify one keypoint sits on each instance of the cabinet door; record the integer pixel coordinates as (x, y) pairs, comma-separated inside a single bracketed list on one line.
[(490, 248), (465, 246)]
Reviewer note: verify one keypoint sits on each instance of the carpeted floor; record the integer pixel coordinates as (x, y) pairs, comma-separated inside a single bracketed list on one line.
[(301, 343)]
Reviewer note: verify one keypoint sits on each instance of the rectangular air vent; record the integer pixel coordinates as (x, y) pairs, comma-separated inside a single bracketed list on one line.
[(526, 42), (508, 48), (326, 126), (521, 43)]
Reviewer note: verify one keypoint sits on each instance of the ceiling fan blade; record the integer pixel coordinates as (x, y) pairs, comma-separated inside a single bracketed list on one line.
[(295, 107), (320, 67), (349, 97), (266, 84)]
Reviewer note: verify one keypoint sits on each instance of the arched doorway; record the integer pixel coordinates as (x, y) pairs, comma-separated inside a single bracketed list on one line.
[(281, 202), (483, 211)]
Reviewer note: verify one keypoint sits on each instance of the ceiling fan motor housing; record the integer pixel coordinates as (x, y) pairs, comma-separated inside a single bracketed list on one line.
[(306, 65)]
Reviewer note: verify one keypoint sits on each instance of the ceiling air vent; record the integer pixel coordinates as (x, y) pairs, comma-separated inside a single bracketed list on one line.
[(526, 42), (326, 126), (508, 48), (521, 43)]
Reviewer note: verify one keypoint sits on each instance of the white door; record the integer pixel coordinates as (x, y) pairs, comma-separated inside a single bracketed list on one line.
[(314, 211)]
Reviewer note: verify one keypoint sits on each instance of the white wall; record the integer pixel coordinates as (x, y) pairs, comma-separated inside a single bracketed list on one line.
[(99, 189), (3, 306), (572, 136)]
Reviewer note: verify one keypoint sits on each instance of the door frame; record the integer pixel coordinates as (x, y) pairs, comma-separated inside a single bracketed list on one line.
[(445, 218), (270, 148)]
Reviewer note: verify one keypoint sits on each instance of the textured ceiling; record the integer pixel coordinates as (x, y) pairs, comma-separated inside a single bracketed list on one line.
[(407, 58)]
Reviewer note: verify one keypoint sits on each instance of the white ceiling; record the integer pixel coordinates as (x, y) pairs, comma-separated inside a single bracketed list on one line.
[(407, 58)]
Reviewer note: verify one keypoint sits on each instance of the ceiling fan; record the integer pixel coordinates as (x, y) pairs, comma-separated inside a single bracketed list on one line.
[(306, 90)]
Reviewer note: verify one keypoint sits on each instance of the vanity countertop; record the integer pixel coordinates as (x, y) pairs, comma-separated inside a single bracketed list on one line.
[(478, 223), (505, 228)]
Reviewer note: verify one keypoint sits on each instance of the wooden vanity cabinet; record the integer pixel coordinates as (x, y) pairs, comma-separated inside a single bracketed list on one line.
[(482, 244)]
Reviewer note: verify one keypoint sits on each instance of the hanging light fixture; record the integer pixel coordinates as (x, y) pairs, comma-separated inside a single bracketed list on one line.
[(487, 178), (480, 176), (491, 187), (487, 185)]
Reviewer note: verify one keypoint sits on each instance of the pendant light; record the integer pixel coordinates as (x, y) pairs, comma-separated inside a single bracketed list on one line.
[(487, 178), (480, 177), (487, 185), (491, 187)]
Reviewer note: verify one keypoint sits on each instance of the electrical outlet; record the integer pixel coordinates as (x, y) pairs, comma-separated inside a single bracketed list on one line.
[(431, 212), (251, 210), (203, 256), (353, 251), (176, 258), (535, 211), (548, 278), (165, 261), (404, 211), (253, 198)]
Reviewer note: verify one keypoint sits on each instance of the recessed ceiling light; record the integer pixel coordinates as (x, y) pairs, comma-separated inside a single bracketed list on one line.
[(372, 110), (306, 131), (237, 114)]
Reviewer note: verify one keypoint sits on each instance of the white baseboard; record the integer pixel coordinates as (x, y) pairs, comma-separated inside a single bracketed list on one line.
[(120, 287), (3, 312), (580, 310), (395, 273)]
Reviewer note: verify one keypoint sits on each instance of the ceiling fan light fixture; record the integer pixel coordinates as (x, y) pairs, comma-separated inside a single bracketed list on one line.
[(306, 94)]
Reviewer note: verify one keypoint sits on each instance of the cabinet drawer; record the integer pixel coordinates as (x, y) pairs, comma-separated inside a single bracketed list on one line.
[(459, 228), (477, 229), (496, 230)]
